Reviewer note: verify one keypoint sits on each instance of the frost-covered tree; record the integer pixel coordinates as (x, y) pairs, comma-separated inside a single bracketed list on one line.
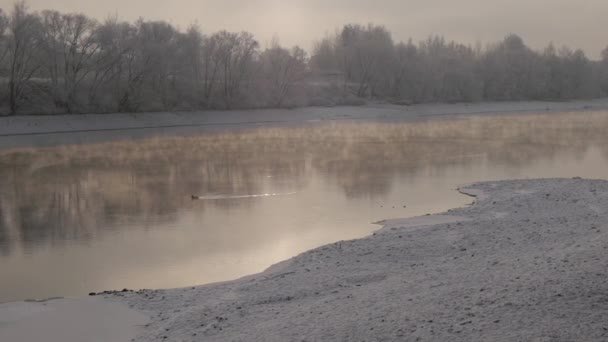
[(235, 55), (211, 60), (189, 64), (448, 71), (23, 43), (407, 73), (324, 56), (69, 46), (367, 54), (4, 22), (57, 62), (115, 42), (511, 71), (282, 68), (602, 68)]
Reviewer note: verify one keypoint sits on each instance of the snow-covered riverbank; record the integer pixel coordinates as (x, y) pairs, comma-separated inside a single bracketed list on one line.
[(20, 130), (526, 262)]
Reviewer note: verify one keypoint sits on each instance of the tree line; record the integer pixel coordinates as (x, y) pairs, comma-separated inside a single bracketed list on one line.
[(52, 62), (439, 71)]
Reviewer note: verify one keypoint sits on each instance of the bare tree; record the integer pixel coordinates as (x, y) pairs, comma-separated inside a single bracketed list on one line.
[(4, 47), (283, 68), (158, 44), (603, 72), (211, 64), (367, 52), (69, 44), (407, 73), (189, 64), (235, 52), (131, 71), (448, 71), (115, 41), (23, 44), (324, 57)]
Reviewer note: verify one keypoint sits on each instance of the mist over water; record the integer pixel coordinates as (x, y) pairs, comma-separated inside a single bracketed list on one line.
[(110, 215)]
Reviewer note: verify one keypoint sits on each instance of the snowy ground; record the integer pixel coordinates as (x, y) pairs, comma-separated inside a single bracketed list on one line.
[(526, 262), (21, 130)]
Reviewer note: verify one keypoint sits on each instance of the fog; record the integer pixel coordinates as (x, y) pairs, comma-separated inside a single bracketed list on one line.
[(579, 24)]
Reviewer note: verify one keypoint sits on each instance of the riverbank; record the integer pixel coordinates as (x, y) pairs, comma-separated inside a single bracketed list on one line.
[(526, 262), (23, 130)]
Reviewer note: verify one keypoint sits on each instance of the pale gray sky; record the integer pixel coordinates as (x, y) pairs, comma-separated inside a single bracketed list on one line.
[(577, 23)]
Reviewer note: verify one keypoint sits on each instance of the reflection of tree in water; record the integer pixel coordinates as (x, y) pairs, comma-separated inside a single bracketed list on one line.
[(73, 192)]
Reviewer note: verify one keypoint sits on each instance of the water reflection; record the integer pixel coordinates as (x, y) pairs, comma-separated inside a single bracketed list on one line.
[(116, 214)]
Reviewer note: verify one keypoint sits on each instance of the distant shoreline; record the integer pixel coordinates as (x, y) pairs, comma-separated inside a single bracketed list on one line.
[(51, 129)]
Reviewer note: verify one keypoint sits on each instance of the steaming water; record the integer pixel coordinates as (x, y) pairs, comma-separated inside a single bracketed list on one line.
[(171, 211)]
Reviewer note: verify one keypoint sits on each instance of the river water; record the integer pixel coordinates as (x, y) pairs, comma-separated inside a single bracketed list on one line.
[(177, 210)]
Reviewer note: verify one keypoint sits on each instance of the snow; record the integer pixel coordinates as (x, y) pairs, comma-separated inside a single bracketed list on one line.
[(20, 130)]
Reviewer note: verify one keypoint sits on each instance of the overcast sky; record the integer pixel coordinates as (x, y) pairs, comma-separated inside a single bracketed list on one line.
[(576, 23)]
